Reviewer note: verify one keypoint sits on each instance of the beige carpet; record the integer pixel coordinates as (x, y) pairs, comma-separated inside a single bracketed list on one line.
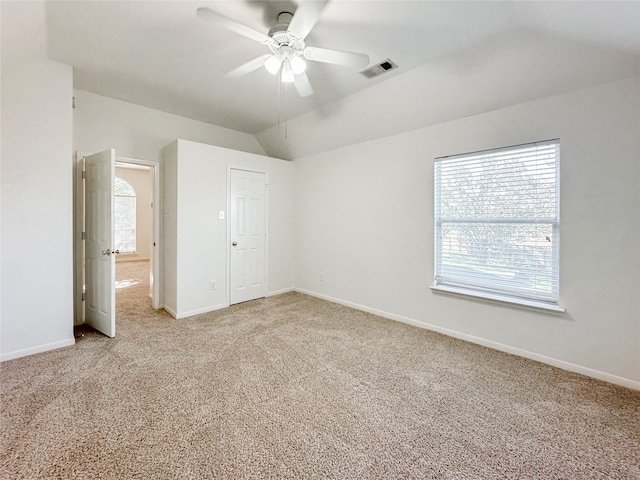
[(295, 387)]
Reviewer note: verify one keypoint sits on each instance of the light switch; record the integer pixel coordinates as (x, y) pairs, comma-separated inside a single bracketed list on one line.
[(221, 215)]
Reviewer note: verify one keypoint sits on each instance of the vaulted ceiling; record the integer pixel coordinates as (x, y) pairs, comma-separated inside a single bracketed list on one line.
[(159, 54)]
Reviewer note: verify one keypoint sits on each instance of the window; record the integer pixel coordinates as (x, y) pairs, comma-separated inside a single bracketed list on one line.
[(497, 224), (125, 216)]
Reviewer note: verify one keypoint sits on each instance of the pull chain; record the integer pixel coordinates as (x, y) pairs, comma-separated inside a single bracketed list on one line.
[(280, 107)]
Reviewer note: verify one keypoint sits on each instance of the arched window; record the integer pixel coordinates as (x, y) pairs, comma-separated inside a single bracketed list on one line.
[(125, 216)]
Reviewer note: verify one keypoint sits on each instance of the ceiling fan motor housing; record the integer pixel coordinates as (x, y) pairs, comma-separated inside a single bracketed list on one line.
[(281, 37)]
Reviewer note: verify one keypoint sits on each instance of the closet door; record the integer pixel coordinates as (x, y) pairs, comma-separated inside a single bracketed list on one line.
[(248, 259)]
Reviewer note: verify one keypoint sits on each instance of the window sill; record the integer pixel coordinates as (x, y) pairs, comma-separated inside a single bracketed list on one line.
[(499, 299)]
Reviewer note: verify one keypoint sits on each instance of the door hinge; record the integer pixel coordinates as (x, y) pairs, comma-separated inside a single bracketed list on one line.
[(84, 174), (73, 102), (84, 235), (84, 296)]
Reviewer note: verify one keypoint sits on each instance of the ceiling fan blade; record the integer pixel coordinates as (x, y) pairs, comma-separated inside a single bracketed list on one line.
[(305, 18), (208, 14), (337, 57), (303, 85), (248, 67)]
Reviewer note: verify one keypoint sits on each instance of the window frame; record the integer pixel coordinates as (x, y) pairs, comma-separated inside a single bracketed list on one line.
[(490, 290)]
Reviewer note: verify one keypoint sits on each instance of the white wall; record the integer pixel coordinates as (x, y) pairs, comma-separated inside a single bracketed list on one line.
[(36, 180), (364, 217), (195, 240), (139, 132), (142, 182)]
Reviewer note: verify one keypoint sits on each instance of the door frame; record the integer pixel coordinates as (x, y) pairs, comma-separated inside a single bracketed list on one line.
[(79, 228), (266, 221)]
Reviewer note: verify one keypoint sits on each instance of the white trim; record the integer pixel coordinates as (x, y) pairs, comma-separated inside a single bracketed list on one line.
[(39, 349), (571, 367), (499, 299), (266, 233), (280, 292), (170, 311), (228, 239), (78, 241), (128, 258), (199, 311)]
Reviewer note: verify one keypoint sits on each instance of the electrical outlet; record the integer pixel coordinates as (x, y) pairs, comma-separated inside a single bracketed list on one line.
[(322, 276), (213, 285)]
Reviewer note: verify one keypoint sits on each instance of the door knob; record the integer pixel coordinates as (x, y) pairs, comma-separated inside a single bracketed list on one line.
[(106, 252), (234, 243), (117, 252)]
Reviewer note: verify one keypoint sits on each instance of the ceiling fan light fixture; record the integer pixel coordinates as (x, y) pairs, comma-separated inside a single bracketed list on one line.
[(273, 63), (298, 65)]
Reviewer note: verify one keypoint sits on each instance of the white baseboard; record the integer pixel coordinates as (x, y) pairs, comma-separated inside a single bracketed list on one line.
[(280, 292), (170, 311), (191, 313), (572, 367), (131, 258), (39, 349)]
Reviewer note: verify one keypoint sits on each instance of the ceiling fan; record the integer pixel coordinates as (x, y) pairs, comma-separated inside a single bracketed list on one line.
[(286, 40)]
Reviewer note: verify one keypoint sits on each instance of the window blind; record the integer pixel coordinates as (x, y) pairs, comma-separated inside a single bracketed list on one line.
[(497, 221)]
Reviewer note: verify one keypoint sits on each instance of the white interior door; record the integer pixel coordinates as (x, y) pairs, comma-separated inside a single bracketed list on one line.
[(100, 264), (247, 217)]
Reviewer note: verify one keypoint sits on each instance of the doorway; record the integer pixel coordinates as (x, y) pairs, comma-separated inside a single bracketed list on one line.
[(133, 234), (87, 286)]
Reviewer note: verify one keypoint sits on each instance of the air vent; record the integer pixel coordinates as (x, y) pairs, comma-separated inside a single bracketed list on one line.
[(379, 69)]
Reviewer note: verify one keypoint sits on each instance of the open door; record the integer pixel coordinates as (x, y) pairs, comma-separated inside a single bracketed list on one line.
[(100, 266)]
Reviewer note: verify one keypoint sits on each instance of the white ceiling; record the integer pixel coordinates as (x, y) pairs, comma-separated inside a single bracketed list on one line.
[(160, 55)]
